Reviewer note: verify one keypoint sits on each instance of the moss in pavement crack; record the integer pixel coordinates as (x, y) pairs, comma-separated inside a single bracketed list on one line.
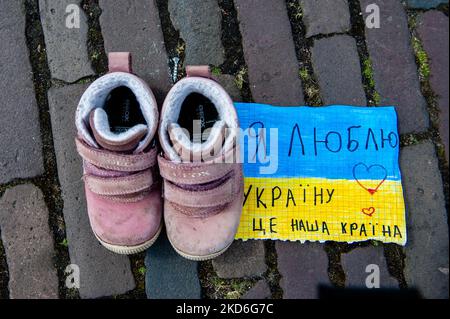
[(214, 287), (311, 89), (423, 66), (95, 43), (49, 182)]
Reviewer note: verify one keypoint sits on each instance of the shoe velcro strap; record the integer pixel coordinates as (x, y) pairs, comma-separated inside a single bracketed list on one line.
[(203, 71), (120, 186), (117, 162), (119, 62), (223, 194), (193, 173)]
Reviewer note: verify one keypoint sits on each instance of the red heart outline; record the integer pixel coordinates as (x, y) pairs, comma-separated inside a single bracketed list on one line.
[(371, 191), (368, 211)]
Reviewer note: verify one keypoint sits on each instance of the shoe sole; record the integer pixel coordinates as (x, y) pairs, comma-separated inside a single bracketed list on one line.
[(199, 258), (130, 250)]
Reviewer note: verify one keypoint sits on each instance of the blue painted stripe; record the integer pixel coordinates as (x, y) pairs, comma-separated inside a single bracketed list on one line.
[(361, 140)]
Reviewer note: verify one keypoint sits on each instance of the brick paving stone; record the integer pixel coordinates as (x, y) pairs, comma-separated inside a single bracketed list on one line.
[(355, 262), (20, 138), (103, 273), (228, 83), (433, 31), (303, 267), (170, 276), (28, 244), (67, 52), (395, 70), (260, 290), (141, 20), (426, 264), (336, 65), (425, 4), (325, 16), (269, 52), (199, 23), (242, 259)]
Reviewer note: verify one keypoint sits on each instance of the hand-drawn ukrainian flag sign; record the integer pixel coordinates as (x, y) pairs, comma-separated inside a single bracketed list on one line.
[(321, 173)]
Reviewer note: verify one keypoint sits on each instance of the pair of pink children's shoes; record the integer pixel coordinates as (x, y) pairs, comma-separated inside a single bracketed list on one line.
[(127, 177)]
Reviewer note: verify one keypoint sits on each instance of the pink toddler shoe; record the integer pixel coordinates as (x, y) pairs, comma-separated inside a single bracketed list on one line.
[(117, 119), (203, 183)]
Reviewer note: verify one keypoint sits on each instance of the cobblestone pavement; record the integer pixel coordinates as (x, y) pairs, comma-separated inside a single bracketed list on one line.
[(288, 52)]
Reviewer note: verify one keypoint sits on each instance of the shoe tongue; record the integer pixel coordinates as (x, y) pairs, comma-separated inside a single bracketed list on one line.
[(126, 141), (196, 150)]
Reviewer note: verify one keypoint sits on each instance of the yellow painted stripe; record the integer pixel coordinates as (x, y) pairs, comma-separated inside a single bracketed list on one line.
[(317, 209)]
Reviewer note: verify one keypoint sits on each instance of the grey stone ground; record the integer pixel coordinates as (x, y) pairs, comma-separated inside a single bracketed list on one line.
[(338, 71), (355, 265), (426, 264), (269, 52), (29, 244), (425, 4), (260, 290), (325, 16), (66, 47), (198, 27), (395, 73), (169, 275), (20, 155), (232, 265), (303, 269), (259, 48), (433, 31)]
